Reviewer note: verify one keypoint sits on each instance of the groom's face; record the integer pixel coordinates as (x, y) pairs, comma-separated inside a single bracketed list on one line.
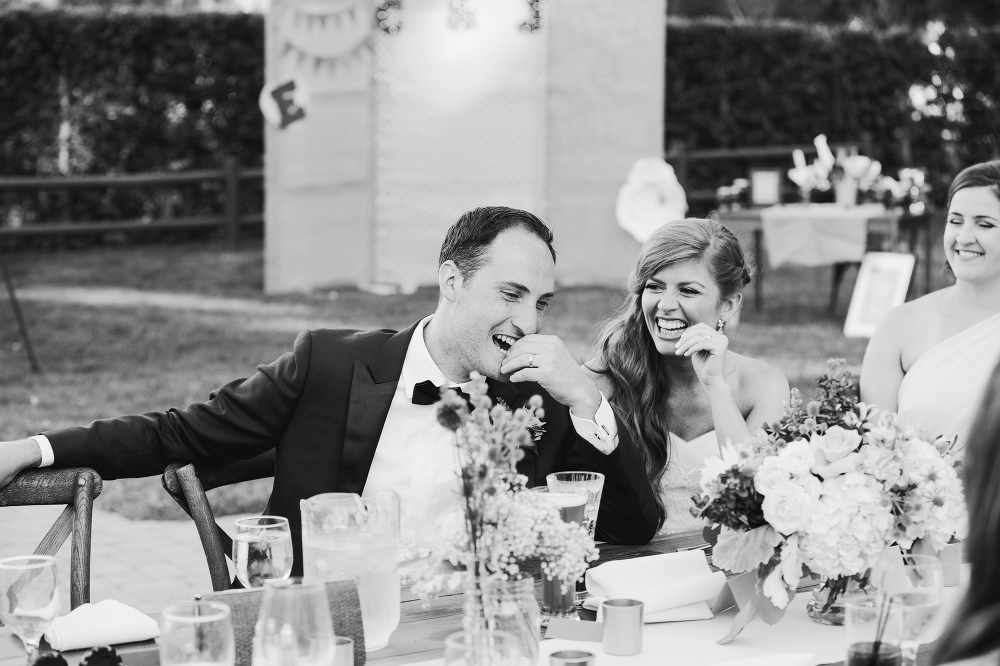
[(503, 301)]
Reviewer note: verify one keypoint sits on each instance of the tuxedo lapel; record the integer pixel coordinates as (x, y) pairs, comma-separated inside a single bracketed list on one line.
[(372, 388)]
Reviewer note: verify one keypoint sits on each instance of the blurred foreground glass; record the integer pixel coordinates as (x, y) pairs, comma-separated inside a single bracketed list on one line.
[(345, 536), (294, 626), (555, 601), (591, 483), (29, 597), (197, 632), (913, 585), (262, 550), (489, 648), (872, 631)]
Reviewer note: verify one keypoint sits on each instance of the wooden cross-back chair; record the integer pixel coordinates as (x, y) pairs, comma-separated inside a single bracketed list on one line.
[(77, 488), (187, 485)]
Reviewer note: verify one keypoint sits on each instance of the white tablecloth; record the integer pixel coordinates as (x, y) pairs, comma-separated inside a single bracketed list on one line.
[(816, 234)]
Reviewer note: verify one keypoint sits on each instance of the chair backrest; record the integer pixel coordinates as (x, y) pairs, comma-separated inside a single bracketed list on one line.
[(76, 488), (345, 610), (187, 485)]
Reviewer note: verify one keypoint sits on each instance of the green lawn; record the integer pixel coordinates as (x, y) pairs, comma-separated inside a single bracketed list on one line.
[(105, 361)]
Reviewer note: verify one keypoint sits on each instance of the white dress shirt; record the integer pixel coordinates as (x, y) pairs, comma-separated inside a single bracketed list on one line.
[(416, 456)]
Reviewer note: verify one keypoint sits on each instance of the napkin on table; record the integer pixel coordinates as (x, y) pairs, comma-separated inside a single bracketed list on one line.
[(105, 623), (673, 587), (789, 659)]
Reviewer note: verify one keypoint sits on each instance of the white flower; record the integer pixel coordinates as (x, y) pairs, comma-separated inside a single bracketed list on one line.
[(710, 473), (787, 508), (771, 474), (849, 463), (836, 443), (797, 457)]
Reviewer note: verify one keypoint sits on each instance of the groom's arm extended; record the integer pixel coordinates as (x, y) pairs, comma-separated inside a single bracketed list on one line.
[(628, 512), (240, 420)]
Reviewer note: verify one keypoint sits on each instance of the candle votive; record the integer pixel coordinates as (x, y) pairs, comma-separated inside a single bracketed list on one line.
[(572, 658), (622, 626)]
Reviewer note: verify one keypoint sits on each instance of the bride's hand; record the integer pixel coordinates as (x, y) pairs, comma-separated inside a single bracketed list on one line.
[(707, 349)]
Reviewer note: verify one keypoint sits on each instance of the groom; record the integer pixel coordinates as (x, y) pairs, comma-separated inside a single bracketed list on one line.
[(346, 413)]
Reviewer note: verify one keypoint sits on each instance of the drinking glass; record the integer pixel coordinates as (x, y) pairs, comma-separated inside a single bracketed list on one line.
[(345, 536), (29, 597), (262, 550), (872, 632), (912, 585), (555, 602), (591, 483), (344, 649), (197, 633), (294, 626), (488, 648)]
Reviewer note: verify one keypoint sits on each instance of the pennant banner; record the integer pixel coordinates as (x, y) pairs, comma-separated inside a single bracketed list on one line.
[(326, 35)]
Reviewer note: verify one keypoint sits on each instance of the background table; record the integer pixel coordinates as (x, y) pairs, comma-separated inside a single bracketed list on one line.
[(891, 225)]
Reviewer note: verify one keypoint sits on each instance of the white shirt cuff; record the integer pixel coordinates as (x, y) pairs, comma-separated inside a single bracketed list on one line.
[(602, 432), (47, 456)]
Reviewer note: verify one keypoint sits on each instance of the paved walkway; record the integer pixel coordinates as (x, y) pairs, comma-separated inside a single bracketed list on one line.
[(147, 564)]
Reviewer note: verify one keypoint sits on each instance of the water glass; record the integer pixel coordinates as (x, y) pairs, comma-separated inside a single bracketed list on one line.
[(590, 483), (262, 550), (347, 536), (912, 585), (872, 631), (557, 602), (294, 626), (197, 632), (29, 597), (487, 648)]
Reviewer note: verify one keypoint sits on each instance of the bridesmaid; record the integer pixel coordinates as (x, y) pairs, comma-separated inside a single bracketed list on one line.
[(930, 358)]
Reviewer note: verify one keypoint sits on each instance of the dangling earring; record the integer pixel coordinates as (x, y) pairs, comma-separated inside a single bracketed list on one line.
[(721, 326)]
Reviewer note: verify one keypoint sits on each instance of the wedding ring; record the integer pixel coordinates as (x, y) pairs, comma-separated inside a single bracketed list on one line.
[(531, 360), (708, 338)]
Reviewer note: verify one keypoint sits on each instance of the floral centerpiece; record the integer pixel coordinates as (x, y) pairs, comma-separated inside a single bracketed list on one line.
[(847, 173), (500, 524), (826, 490)]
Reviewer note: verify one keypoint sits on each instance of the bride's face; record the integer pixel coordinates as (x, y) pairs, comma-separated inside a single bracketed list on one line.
[(972, 235), (676, 297)]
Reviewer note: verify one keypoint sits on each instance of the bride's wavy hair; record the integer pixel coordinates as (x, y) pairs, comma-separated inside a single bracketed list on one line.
[(625, 352), (974, 629)]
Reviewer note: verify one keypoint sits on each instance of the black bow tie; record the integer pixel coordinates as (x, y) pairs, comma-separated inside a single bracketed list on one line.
[(426, 393)]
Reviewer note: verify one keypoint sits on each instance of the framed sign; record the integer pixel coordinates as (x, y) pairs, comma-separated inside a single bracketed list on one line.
[(882, 282), (765, 187)]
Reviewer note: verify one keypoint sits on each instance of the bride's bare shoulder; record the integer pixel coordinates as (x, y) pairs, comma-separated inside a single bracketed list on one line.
[(756, 376)]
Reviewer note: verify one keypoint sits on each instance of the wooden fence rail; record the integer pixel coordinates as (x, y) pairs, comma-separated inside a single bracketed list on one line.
[(231, 174)]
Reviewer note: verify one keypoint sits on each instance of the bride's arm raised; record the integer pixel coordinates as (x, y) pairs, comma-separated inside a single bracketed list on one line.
[(882, 369)]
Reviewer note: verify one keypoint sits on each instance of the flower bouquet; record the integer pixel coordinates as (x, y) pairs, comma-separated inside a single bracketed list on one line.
[(500, 524), (846, 173), (826, 490)]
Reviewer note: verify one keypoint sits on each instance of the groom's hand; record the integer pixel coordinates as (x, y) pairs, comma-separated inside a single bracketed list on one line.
[(545, 360), (17, 456)]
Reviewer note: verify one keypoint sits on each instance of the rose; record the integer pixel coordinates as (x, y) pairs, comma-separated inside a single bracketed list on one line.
[(835, 444), (850, 463), (797, 457), (787, 508), (771, 474)]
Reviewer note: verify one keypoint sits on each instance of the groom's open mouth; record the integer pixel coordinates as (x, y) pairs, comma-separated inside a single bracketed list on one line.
[(503, 342), (670, 329)]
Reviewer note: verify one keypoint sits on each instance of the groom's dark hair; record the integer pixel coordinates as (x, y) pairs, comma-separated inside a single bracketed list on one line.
[(470, 237)]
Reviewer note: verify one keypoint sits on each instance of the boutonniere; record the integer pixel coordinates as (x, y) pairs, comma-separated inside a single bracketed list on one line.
[(535, 425)]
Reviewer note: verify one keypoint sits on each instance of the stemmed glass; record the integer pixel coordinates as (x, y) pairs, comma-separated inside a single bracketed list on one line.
[(294, 627), (913, 585), (262, 550), (199, 633), (29, 597)]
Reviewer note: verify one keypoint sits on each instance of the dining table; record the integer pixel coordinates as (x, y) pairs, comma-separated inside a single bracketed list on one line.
[(424, 626)]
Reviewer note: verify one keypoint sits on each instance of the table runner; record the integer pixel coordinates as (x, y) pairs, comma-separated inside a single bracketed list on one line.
[(816, 234)]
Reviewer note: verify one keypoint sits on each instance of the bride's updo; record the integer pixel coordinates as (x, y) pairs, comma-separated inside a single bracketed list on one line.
[(626, 353)]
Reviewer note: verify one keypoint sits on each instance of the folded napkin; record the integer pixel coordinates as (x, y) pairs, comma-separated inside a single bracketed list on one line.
[(673, 587), (107, 622), (790, 659)]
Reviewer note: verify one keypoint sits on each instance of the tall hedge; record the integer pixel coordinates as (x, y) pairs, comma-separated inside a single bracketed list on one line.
[(158, 91)]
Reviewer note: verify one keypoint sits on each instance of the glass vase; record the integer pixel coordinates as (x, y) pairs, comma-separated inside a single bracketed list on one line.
[(827, 603), (511, 606)]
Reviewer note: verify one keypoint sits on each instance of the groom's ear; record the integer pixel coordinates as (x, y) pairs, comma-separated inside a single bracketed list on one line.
[(449, 279)]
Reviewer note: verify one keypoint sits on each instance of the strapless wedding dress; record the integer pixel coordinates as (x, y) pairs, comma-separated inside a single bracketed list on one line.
[(681, 479)]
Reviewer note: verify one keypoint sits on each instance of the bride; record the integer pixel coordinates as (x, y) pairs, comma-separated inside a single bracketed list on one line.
[(664, 360), (930, 359)]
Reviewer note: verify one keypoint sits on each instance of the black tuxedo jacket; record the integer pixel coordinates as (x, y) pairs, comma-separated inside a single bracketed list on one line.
[(322, 406)]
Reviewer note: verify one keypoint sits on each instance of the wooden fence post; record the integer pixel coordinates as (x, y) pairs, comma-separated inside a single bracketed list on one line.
[(231, 168)]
